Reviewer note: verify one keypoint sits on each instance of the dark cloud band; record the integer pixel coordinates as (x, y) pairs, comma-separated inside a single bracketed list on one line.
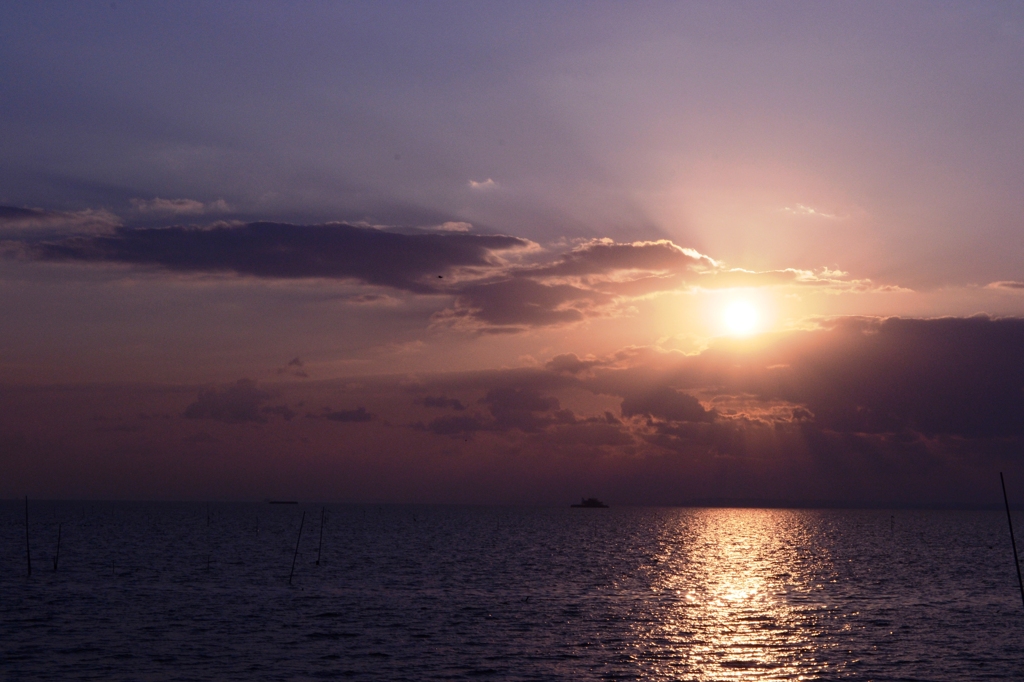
[(491, 294), (274, 250)]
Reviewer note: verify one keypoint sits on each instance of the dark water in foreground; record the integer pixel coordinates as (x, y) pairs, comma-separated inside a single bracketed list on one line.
[(155, 592)]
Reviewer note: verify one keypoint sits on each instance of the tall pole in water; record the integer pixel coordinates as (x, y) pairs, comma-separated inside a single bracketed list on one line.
[(1013, 542), (323, 511), (297, 540), (56, 557), (28, 548)]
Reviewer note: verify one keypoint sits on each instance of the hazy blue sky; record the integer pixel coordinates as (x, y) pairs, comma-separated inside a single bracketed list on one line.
[(702, 123)]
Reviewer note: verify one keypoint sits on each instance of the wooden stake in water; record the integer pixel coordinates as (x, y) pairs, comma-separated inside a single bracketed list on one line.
[(208, 542), (56, 557), (28, 548), (320, 548), (296, 555), (1013, 542)]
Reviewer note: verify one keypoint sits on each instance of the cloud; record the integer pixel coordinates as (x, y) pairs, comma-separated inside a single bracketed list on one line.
[(516, 304), (616, 260), (235, 404), (455, 226), (570, 363), (946, 376), (586, 282), (522, 408), (498, 284), (294, 368), (16, 220), (355, 416), (602, 278), (961, 377), (281, 410), (824, 278), (178, 206), (482, 185), (882, 381), (201, 438), (515, 400), (275, 250), (1012, 286), (879, 410), (528, 409), (451, 425), (666, 403), (442, 402), (803, 210), (859, 410), (366, 299)]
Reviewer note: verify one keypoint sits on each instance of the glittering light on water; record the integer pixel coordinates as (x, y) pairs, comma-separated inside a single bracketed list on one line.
[(747, 608)]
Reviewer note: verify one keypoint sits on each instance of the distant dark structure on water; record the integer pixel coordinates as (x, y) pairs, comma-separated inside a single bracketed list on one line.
[(590, 503), (283, 501)]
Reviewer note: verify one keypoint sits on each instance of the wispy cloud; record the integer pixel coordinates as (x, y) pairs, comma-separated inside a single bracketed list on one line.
[(160, 206), (483, 184), (455, 226), (804, 210), (825, 278), (15, 219)]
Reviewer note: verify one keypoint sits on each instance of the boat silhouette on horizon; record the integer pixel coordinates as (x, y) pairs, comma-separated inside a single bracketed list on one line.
[(590, 503)]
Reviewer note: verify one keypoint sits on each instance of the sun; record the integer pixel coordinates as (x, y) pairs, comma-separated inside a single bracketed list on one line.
[(740, 318)]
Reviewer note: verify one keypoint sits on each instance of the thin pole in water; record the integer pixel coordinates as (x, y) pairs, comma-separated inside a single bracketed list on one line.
[(56, 557), (320, 548), (1013, 542), (296, 555), (208, 543), (28, 548)]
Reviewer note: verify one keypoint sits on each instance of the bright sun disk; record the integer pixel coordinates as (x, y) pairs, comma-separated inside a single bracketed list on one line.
[(740, 318)]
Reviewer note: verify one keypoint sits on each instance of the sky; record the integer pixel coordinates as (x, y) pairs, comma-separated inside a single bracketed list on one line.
[(515, 253)]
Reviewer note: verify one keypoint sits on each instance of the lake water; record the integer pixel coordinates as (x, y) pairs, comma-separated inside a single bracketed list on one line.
[(148, 591)]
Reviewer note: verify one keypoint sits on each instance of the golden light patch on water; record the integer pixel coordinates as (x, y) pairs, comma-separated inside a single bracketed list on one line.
[(737, 590)]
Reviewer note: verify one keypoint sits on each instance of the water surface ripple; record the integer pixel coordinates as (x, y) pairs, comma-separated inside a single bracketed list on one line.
[(148, 591)]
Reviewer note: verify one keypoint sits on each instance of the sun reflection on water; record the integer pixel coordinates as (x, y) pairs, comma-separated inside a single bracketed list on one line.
[(740, 597)]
